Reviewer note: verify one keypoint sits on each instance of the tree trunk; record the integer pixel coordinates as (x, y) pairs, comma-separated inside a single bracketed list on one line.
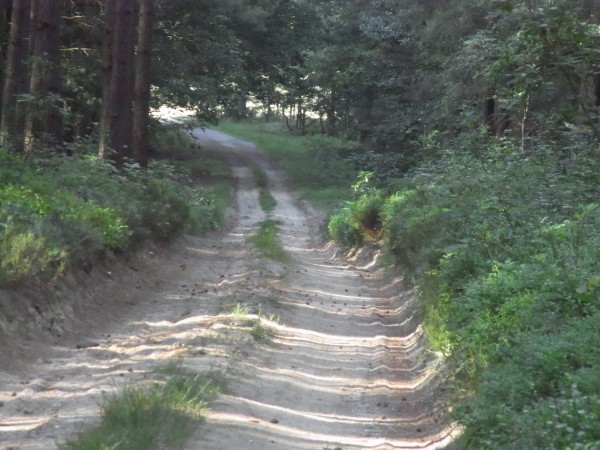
[(117, 120), (107, 68), (15, 82), (4, 30), (43, 116), (489, 109), (331, 112), (142, 83)]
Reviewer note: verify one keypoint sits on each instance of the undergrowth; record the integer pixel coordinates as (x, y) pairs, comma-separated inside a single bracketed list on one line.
[(58, 211), (506, 247)]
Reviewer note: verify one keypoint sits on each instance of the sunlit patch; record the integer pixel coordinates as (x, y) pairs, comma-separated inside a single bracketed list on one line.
[(22, 423), (301, 438)]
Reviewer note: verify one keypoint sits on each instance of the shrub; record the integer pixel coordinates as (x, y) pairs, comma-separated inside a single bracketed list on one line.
[(506, 245), (57, 210), (343, 228)]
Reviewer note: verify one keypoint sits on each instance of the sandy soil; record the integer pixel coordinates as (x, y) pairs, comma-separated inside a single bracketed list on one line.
[(341, 363)]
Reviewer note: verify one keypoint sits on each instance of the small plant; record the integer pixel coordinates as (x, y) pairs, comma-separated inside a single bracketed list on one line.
[(239, 310), (259, 332), (144, 418)]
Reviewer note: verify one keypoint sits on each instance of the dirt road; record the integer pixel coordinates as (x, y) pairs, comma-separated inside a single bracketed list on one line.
[(323, 352)]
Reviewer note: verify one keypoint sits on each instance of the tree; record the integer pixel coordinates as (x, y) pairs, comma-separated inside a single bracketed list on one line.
[(81, 66), (44, 115), (15, 82), (116, 123), (107, 70), (142, 83), (4, 29)]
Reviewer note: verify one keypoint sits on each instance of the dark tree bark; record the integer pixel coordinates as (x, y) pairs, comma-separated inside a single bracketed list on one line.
[(497, 122), (15, 82), (107, 68), (331, 112), (142, 82), (43, 117), (489, 108), (4, 30), (117, 118)]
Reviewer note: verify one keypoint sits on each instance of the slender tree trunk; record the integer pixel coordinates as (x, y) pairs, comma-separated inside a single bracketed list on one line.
[(43, 115), (15, 82), (489, 110), (4, 30), (117, 120), (142, 83), (331, 112), (107, 69)]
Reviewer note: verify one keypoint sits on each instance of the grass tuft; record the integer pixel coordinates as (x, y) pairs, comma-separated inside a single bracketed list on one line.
[(266, 241), (155, 417)]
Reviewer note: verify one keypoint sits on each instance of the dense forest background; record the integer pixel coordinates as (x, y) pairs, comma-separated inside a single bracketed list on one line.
[(473, 124)]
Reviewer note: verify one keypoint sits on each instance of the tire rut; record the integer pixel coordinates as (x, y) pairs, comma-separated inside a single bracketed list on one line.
[(346, 365)]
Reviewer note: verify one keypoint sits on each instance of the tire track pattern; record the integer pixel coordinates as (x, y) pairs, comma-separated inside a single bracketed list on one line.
[(346, 366)]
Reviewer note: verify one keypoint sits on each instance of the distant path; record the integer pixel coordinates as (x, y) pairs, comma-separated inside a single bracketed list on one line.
[(342, 363)]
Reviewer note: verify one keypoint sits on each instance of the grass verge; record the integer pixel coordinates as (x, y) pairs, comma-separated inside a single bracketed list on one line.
[(160, 416), (266, 241)]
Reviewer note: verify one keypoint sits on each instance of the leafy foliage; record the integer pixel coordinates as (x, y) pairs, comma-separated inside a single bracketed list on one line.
[(58, 211), (505, 244)]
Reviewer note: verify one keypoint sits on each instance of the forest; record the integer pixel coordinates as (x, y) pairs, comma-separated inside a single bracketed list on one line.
[(472, 128)]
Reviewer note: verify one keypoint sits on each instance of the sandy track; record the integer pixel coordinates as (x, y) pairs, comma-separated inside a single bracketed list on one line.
[(343, 364)]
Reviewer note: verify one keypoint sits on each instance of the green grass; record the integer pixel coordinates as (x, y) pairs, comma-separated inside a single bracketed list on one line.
[(265, 198), (254, 325), (259, 332), (160, 416), (267, 201), (266, 241), (239, 310), (313, 163)]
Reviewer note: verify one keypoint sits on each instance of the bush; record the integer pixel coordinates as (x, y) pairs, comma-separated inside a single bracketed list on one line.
[(507, 247), (359, 219), (343, 228), (57, 210)]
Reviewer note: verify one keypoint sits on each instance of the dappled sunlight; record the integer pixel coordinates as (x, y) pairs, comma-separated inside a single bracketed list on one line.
[(22, 423), (293, 437), (318, 352), (333, 384), (278, 411), (303, 335)]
